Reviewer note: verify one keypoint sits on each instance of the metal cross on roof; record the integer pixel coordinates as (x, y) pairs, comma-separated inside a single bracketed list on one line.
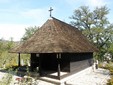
[(50, 11)]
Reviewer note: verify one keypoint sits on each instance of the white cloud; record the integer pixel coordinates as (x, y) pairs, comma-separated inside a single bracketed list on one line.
[(96, 3), (33, 13), (72, 1), (36, 16), (39, 16), (90, 3), (16, 31)]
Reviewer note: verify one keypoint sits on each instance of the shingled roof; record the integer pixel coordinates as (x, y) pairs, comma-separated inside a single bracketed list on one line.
[(56, 36)]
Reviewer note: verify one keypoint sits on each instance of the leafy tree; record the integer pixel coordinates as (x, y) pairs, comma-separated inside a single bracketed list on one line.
[(10, 44), (95, 26), (1, 45), (111, 48), (29, 32)]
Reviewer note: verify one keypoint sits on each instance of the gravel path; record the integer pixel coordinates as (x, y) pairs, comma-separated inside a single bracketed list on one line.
[(99, 77)]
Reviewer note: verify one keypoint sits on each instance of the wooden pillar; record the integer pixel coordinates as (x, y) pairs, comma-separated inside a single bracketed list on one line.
[(58, 59), (31, 62), (18, 59), (40, 70)]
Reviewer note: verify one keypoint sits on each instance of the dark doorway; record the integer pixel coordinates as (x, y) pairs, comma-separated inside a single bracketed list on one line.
[(48, 62), (34, 61)]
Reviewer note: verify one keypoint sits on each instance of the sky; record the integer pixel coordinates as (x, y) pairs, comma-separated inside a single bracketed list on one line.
[(16, 15)]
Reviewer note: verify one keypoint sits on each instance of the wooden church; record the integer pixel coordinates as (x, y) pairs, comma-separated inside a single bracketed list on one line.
[(57, 49)]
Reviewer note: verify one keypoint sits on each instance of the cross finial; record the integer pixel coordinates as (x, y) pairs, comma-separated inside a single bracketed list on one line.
[(50, 10)]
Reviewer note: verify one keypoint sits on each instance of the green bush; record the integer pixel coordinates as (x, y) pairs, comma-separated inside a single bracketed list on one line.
[(110, 81), (108, 66)]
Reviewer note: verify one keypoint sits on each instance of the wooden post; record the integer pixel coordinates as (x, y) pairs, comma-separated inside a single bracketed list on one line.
[(31, 60), (18, 59), (58, 59), (40, 71)]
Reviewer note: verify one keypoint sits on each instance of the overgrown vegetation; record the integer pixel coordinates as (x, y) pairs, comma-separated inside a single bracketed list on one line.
[(108, 66), (9, 61), (110, 81)]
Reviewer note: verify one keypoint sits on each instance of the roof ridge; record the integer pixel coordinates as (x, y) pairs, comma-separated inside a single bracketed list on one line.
[(64, 22)]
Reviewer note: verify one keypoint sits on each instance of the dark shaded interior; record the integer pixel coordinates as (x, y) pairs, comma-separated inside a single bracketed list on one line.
[(48, 62)]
